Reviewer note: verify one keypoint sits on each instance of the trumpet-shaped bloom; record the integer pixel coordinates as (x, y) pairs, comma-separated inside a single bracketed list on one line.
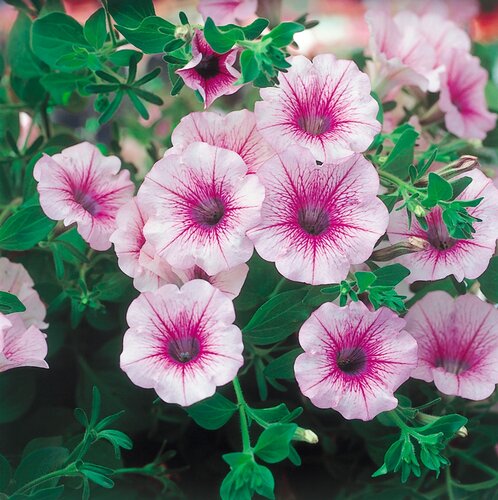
[(318, 220), (235, 131), (81, 185), (15, 279), (20, 346), (446, 255), (202, 203), (354, 359), (228, 11), (324, 105), (182, 342), (457, 344), (212, 74), (462, 96)]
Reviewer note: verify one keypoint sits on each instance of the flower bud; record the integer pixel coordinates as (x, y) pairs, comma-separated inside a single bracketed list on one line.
[(464, 164), (305, 435), (411, 245)]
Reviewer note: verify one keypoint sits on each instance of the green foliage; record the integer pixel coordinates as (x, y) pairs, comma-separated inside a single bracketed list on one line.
[(489, 280), (401, 157), (273, 444), (10, 303), (151, 35), (212, 413)]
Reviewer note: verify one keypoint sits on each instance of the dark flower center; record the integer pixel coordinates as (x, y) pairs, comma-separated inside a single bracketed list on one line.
[(452, 365), (439, 238), (209, 212), (86, 201), (314, 124), (314, 220), (200, 274), (208, 66), (184, 349), (351, 360)]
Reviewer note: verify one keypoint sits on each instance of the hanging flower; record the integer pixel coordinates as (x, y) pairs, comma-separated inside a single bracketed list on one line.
[(445, 255), (228, 11), (235, 131), (81, 185), (354, 359), (15, 279), (324, 105), (182, 342), (458, 344), (462, 96), (318, 220), (212, 74), (202, 203), (20, 346)]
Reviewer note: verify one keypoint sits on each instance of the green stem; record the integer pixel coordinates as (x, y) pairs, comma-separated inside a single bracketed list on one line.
[(70, 470), (449, 486), (109, 23), (397, 181), (4, 214), (244, 428), (473, 461)]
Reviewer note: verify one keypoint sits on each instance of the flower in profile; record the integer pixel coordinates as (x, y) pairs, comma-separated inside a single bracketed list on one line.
[(318, 220), (354, 359), (235, 131), (20, 346), (457, 344), (445, 255), (182, 342), (212, 74), (202, 203), (228, 11), (81, 185), (462, 97), (324, 105), (15, 279)]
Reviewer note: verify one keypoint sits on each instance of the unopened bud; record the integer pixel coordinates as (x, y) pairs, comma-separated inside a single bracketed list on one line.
[(305, 435), (462, 432), (411, 245), (419, 211), (462, 165), (183, 32)]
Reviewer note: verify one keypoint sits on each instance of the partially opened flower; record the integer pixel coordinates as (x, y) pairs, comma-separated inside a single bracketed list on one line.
[(354, 359), (15, 279), (318, 220), (212, 74), (20, 345), (324, 105), (445, 255), (235, 131), (462, 97), (458, 344), (181, 342), (202, 203), (81, 185), (228, 11)]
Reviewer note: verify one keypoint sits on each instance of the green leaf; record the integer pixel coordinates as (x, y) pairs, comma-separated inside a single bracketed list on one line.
[(39, 463), (61, 85), (5, 473), (489, 280), (249, 67), (460, 185), (364, 280), (151, 35), (273, 444), (438, 188), (283, 34), (212, 413), (274, 414), (25, 229), (278, 318), (97, 474), (10, 303), (283, 366), (401, 157), (130, 13), (95, 29), (390, 275), (57, 36), (221, 41), (123, 57)]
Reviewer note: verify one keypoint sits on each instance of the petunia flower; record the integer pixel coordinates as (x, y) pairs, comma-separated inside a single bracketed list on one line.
[(81, 185), (445, 255), (16, 280), (458, 344), (354, 359), (462, 97), (318, 220), (182, 343), (202, 203), (20, 346), (227, 11), (235, 131), (138, 259), (324, 105), (212, 74)]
